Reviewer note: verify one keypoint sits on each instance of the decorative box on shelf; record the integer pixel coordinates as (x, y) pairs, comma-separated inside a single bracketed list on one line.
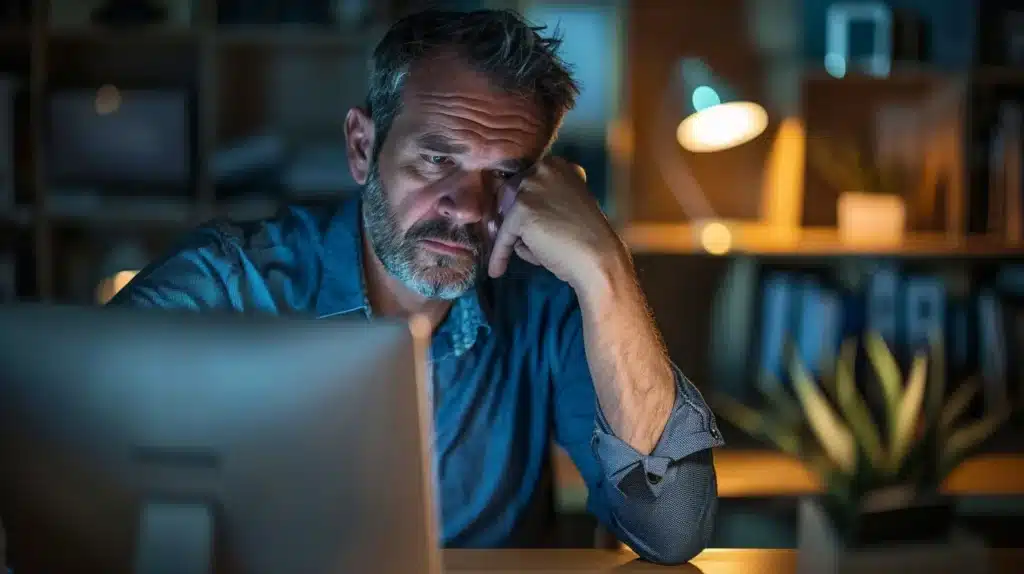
[(871, 218)]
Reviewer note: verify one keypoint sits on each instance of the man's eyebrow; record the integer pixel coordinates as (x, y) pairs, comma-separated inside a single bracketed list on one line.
[(514, 165), (440, 143)]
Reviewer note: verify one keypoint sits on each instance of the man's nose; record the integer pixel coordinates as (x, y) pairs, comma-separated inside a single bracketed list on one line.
[(466, 200)]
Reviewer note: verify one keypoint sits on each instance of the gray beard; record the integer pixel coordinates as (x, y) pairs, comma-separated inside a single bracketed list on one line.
[(444, 277)]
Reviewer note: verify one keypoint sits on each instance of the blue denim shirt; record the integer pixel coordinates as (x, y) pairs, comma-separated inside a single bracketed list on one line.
[(509, 377)]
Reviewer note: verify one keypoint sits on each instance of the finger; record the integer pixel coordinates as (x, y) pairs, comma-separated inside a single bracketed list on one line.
[(507, 197), (504, 243), (525, 254)]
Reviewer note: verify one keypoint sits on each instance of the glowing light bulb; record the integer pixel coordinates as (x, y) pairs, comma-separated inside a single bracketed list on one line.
[(716, 238)]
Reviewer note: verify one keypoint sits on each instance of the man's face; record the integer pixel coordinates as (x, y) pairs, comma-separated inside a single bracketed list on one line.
[(455, 141)]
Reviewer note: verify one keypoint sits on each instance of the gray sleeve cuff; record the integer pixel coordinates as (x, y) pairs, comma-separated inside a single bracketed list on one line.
[(690, 428)]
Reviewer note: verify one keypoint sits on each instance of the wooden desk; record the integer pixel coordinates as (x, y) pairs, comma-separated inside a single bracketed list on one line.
[(713, 561), (578, 561)]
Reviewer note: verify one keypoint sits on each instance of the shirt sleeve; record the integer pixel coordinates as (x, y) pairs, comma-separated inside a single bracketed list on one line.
[(662, 505), (199, 275)]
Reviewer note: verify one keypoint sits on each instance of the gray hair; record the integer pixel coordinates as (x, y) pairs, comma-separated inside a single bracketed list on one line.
[(497, 43)]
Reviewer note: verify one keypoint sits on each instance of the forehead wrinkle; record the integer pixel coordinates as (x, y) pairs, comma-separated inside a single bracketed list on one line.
[(524, 108), (494, 140), (459, 123), (482, 120), (483, 114), (443, 135)]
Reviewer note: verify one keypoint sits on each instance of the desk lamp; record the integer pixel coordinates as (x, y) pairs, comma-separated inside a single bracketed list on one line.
[(715, 118)]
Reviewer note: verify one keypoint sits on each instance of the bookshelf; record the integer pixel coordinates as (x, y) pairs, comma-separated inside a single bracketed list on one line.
[(755, 239), (296, 81)]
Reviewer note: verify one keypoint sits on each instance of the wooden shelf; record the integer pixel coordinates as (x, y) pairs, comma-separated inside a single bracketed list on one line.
[(94, 211), (18, 216), (762, 240), (148, 210), (999, 75), (156, 35), (297, 38), (247, 208), (15, 34)]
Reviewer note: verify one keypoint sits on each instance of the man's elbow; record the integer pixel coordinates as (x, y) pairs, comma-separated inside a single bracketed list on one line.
[(677, 549), (679, 524), (682, 553)]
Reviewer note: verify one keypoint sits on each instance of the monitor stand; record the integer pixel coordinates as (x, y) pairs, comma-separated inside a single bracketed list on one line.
[(175, 538)]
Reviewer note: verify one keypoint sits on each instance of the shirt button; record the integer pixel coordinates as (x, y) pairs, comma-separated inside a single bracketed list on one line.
[(653, 478)]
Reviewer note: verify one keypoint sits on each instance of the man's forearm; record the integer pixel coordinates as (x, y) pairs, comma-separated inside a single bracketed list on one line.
[(632, 373)]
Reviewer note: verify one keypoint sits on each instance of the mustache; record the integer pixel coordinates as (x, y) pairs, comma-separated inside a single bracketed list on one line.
[(439, 230)]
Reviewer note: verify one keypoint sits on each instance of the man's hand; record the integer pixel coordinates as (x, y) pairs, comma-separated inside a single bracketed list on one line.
[(555, 222)]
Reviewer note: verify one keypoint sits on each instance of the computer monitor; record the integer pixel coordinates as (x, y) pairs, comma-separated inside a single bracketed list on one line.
[(153, 442)]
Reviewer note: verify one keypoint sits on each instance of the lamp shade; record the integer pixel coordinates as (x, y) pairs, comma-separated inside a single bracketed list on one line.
[(715, 118)]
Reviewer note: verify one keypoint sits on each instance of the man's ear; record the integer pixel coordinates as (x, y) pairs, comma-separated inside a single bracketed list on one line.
[(359, 138)]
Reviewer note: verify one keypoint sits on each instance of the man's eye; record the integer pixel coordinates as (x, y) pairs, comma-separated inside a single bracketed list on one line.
[(437, 159), (503, 175)]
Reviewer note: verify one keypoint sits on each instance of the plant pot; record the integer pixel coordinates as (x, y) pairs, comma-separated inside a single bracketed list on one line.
[(924, 545), (871, 218)]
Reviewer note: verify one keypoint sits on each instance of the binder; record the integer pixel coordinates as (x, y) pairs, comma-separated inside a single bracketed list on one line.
[(777, 302), (882, 304), (992, 349), (924, 310), (819, 325)]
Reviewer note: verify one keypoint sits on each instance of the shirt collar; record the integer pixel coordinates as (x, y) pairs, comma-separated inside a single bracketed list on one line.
[(343, 289)]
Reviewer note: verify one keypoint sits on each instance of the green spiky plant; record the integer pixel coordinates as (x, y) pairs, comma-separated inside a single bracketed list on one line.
[(890, 455), (844, 167)]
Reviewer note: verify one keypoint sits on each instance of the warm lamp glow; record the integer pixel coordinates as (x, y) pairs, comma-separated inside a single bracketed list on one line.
[(108, 99), (716, 238), (722, 126), (782, 187), (110, 286)]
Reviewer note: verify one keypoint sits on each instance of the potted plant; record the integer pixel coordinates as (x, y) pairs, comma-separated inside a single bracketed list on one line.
[(881, 458), (871, 208)]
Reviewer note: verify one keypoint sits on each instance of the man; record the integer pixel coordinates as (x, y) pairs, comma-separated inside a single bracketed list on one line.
[(549, 338)]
